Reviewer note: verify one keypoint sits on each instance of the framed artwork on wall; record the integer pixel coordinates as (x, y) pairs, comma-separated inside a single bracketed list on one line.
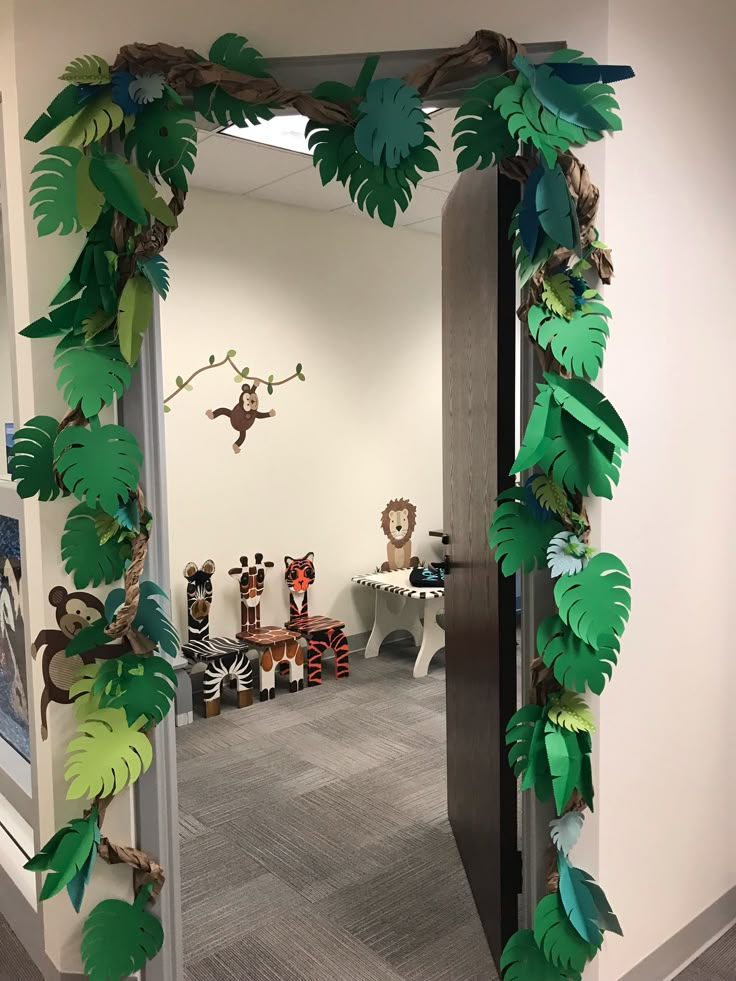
[(14, 728)]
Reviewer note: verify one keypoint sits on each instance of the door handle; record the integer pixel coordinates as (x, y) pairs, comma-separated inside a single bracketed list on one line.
[(445, 539)]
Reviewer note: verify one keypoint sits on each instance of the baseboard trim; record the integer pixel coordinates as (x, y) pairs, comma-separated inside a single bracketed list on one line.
[(665, 963)]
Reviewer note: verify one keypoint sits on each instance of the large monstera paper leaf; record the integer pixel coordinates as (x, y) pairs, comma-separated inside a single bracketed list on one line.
[(54, 191), (92, 377), (215, 103), (142, 686), (150, 619), (519, 537), (32, 459), (577, 342), (88, 560), (578, 459), (164, 140), (589, 407), (119, 938), (481, 134), (100, 465), (522, 960), (108, 756), (527, 754), (596, 602), (558, 940), (575, 664), (95, 120), (392, 122), (585, 903)]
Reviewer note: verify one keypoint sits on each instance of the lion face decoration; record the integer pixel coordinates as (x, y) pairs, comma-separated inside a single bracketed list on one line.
[(398, 521)]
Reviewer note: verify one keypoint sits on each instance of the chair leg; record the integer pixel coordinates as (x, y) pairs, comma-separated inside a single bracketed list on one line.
[(212, 708)]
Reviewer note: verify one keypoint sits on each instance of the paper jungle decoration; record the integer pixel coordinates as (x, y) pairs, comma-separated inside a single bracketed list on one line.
[(14, 727), (243, 415), (124, 143), (321, 633), (275, 645), (398, 521), (224, 659)]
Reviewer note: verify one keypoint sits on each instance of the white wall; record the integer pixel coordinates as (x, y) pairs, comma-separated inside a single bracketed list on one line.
[(359, 306), (668, 779)]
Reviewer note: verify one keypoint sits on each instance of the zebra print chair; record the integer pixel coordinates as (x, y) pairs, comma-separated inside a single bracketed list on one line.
[(225, 659)]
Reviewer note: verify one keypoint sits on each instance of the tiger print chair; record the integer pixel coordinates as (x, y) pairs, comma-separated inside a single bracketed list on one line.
[(320, 633)]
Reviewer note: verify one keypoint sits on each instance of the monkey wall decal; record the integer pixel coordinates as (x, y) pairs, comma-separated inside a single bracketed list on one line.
[(74, 611), (244, 414)]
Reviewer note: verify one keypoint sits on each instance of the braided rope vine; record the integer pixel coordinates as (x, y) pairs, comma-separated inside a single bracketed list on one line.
[(125, 142)]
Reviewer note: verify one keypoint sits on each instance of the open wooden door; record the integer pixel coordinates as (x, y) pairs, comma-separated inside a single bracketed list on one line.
[(478, 350)]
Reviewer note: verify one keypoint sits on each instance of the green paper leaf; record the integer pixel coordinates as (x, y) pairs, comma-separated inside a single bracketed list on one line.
[(67, 103), (156, 271), (527, 755), (98, 322), (577, 342), (99, 465), (570, 711), (558, 940), (68, 852), (482, 136), (522, 960), (110, 174), (54, 191), (119, 938), (219, 106), (585, 903), (549, 494), (565, 831), (589, 407), (33, 459), (231, 353), (87, 70), (392, 122), (153, 203), (556, 208), (211, 359), (519, 538), (88, 638), (164, 140), (89, 199), (78, 885), (558, 295), (142, 686), (575, 104), (150, 619), (89, 560), (167, 408), (565, 752), (575, 664), (596, 603), (96, 119), (134, 316), (107, 756), (92, 377), (535, 439), (85, 702), (577, 459)]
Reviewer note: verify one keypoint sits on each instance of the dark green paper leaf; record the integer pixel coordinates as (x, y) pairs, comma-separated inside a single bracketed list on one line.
[(575, 664), (519, 538), (164, 140), (96, 119), (535, 438), (150, 618), (143, 686), (99, 465), (564, 758), (88, 638), (392, 122), (482, 136), (90, 561), (68, 852), (578, 459), (33, 459), (156, 271), (111, 175), (67, 103), (555, 207), (558, 940), (119, 938), (219, 106), (522, 960)]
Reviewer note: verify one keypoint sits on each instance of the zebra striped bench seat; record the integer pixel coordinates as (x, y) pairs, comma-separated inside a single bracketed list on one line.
[(225, 660)]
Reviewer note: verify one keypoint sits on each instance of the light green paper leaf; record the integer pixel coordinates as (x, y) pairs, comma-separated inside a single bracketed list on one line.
[(91, 377), (85, 702), (565, 831), (89, 198), (519, 538), (87, 70), (589, 407), (392, 122), (110, 174), (107, 756), (575, 664), (595, 603), (522, 960), (151, 200), (99, 465), (134, 316), (142, 686), (88, 559), (119, 938), (577, 342), (549, 494), (33, 459), (558, 940), (164, 140), (482, 136), (570, 711), (558, 295), (96, 324), (54, 191), (96, 119)]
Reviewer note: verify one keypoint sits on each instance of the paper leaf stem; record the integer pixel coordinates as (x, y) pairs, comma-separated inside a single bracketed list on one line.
[(107, 756), (119, 938), (98, 465)]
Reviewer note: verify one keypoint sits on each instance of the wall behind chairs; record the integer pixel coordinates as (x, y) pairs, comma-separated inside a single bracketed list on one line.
[(359, 305)]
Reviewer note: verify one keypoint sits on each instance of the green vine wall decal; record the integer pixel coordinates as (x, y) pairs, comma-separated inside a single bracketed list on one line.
[(124, 147)]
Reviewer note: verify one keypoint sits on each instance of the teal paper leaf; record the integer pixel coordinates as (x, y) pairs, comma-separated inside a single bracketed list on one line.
[(585, 903), (522, 960), (556, 208), (90, 562), (596, 603), (99, 465), (527, 264), (150, 618), (156, 271), (585, 106), (164, 140), (482, 136), (392, 122), (565, 831), (575, 664), (32, 459), (54, 191), (579, 342), (520, 539)]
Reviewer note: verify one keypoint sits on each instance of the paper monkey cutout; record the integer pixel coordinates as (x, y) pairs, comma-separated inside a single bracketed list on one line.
[(320, 633), (244, 414), (398, 521), (74, 612)]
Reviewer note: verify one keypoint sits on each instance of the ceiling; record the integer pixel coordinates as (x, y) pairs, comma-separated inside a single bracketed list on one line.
[(225, 163)]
